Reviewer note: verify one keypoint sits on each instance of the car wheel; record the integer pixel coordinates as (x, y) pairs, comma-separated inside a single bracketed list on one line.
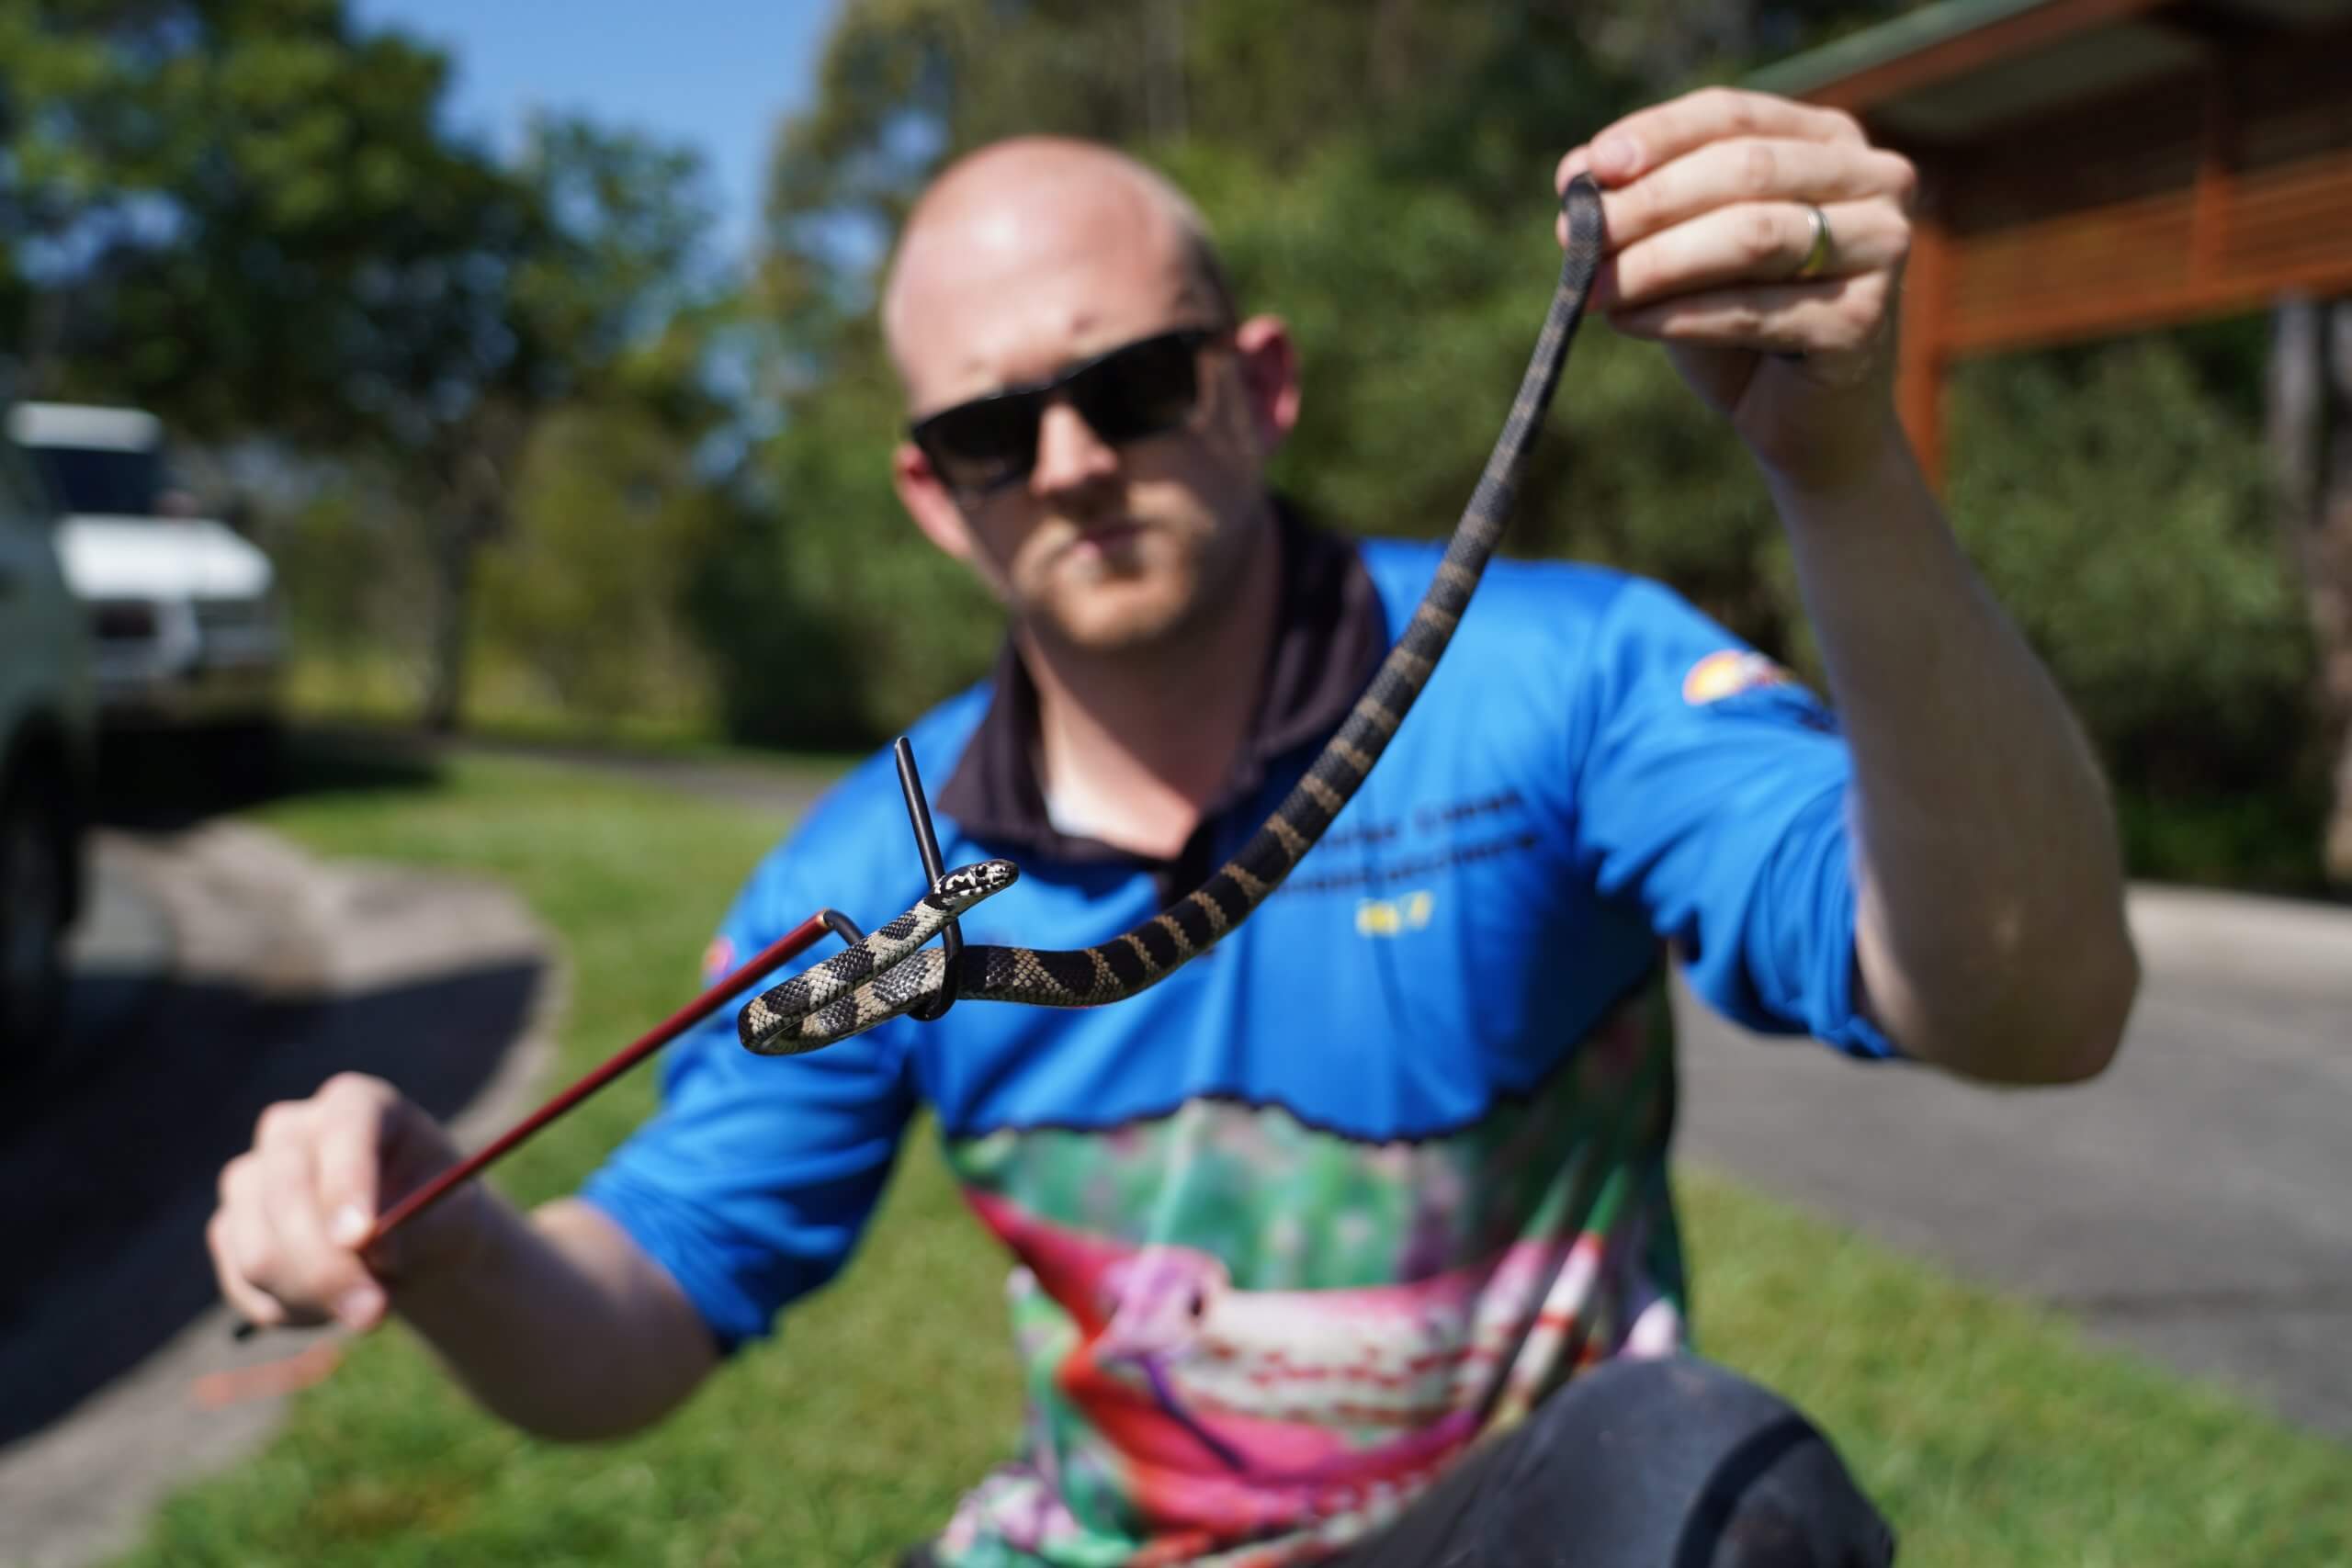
[(35, 847)]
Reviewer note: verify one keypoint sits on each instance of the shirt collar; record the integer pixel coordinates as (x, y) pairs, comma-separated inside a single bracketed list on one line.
[(1329, 636)]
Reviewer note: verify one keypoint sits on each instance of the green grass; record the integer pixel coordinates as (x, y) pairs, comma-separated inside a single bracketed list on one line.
[(1990, 1434)]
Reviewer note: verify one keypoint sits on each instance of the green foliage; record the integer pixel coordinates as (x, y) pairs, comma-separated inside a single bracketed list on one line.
[(2115, 499), (1415, 313), (242, 214), (586, 587), (1380, 177), (246, 215), (1382, 181), (829, 619), (338, 566), (2121, 518)]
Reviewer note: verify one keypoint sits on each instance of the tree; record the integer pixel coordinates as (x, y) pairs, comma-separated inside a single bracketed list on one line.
[(1377, 173), (240, 214), (601, 306), (1396, 197), (245, 214), (585, 587)]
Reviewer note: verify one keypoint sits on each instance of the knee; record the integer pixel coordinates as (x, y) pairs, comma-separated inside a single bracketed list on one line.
[(1645, 1407), (1799, 1510), (1679, 1450)]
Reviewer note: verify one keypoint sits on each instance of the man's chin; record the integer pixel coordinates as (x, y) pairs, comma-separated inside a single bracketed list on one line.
[(1119, 618)]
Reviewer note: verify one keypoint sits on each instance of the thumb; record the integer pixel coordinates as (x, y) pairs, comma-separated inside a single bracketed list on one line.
[(354, 1132)]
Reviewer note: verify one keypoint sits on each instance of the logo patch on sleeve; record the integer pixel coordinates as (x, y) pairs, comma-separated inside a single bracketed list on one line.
[(718, 958), (1728, 673)]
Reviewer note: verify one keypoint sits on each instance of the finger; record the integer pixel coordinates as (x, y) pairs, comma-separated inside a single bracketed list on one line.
[(1723, 174), (234, 1238), (248, 1303), (1650, 138), (1751, 241), (311, 1270), (354, 1117), (1830, 315), (256, 1259)]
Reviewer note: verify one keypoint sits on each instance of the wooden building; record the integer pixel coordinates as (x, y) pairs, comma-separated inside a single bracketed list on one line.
[(2090, 168)]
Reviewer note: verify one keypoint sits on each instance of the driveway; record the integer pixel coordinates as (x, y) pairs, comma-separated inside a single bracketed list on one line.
[(2195, 1203), (220, 969)]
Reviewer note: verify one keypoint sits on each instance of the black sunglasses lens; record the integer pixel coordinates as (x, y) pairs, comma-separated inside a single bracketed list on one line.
[(1141, 389), (984, 443), (1131, 393)]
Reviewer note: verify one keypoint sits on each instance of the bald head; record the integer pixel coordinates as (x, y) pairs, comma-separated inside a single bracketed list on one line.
[(1131, 513), (1009, 231)]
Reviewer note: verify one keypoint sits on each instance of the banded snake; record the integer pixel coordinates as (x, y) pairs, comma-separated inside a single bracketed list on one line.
[(892, 971)]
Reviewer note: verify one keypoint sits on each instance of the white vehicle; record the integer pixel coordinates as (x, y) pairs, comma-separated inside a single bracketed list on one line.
[(184, 626), (45, 762)]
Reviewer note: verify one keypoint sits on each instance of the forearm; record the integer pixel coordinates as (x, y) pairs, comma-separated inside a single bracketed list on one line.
[(1991, 937), (559, 1323)]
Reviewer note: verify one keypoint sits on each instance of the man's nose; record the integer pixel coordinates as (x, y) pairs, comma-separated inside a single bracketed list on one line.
[(1069, 455)]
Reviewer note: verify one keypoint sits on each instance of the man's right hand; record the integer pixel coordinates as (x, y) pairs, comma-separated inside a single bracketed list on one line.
[(295, 1208)]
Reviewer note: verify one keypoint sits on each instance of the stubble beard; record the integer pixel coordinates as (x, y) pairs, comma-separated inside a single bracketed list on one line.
[(1156, 608)]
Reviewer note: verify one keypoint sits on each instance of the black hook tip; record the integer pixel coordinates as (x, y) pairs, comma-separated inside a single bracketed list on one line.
[(927, 845)]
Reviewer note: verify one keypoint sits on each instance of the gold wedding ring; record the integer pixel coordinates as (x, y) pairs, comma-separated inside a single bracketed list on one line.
[(1816, 260)]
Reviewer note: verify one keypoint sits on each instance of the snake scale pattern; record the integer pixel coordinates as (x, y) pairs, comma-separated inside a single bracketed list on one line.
[(892, 970)]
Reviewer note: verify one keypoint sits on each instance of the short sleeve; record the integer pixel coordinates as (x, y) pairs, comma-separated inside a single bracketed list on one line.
[(1713, 792), (753, 1182)]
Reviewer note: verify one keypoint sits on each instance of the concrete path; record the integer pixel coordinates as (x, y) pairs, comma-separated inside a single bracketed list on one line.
[(218, 970), (2194, 1202)]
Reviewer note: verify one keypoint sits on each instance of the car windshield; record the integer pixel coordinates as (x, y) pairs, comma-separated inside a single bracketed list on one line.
[(101, 479)]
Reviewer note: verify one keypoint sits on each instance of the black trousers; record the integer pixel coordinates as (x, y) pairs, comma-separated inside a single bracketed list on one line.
[(1672, 1463)]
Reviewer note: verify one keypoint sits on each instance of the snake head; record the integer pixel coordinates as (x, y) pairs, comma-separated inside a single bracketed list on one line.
[(958, 890)]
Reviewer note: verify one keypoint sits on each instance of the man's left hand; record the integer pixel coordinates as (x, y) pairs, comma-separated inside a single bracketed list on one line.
[(1709, 202)]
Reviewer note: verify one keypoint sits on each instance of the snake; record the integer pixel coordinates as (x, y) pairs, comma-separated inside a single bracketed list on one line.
[(893, 970)]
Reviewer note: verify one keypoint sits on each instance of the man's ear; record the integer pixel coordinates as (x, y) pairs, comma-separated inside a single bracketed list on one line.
[(1269, 363), (928, 503)]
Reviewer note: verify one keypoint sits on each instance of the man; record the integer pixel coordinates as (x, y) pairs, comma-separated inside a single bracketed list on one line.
[(1312, 1237)]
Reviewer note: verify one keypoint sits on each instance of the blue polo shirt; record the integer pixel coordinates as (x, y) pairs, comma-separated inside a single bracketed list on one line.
[(1293, 1228)]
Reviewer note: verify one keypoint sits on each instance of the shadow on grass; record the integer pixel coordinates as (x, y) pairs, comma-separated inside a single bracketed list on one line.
[(165, 780), (111, 1174)]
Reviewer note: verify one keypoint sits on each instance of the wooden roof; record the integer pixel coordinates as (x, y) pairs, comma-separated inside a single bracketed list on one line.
[(1952, 71), (2098, 166)]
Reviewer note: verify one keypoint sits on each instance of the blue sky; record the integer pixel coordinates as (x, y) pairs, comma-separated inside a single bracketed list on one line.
[(717, 75)]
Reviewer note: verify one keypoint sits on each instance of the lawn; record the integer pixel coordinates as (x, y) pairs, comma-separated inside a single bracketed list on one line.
[(1989, 1433)]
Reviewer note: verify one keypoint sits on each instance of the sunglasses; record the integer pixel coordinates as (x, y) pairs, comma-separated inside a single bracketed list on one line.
[(1137, 389)]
